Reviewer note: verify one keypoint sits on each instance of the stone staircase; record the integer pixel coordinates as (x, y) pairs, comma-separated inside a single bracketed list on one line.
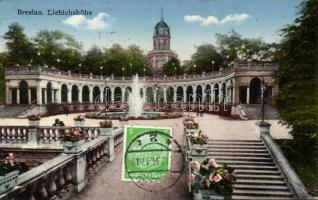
[(258, 177), (253, 111), (12, 110)]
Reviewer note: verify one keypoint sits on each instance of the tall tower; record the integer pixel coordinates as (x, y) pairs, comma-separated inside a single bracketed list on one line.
[(161, 52)]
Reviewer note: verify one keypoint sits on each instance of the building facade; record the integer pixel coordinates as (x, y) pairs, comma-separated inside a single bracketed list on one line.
[(161, 52)]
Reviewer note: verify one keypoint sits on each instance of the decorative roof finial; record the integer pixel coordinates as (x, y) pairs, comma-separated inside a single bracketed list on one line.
[(161, 14)]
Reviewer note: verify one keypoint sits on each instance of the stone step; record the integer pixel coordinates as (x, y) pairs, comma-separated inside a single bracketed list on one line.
[(243, 197), (232, 147), (219, 140), (262, 182), (221, 150), (234, 154), (237, 143), (240, 162), (257, 172), (253, 167), (238, 158), (260, 187), (262, 193), (259, 177)]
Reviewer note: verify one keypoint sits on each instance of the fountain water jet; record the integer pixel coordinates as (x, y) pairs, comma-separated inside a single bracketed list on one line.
[(135, 101)]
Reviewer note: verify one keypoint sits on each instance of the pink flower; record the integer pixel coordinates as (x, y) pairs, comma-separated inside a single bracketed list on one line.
[(196, 165), (216, 178), (212, 162)]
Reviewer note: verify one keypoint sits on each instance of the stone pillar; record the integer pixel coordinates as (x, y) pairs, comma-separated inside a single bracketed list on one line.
[(112, 95), (78, 172), (45, 96), (122, 94), (155, 96), (33, 136), (80, 94), (91, 100), (220, 94), (165, 95), (29, 96), (58, 96), (18, 96), (174, 95), (111, 148), (8, 94), (184, 95), (39, 95), (263, 128), (248, 95), (69, 94), (194, 96), (101, 89)]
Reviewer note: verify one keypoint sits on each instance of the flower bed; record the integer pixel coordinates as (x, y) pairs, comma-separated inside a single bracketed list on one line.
[(106, 128), (197, 144), (34, 120), (9, 172), (208, 180), (73, 139)]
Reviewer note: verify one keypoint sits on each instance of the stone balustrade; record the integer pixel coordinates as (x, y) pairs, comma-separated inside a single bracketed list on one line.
[(18, 134), (67, 173)]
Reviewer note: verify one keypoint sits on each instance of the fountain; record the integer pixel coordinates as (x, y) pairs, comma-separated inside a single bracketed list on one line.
[(135, 101)]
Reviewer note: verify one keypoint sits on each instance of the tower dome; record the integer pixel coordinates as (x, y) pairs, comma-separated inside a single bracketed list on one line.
[(162, 29)]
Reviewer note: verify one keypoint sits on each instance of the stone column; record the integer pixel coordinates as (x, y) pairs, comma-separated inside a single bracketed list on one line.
[(39, 95), (112, 95), (58, 96), (80, 94), (220, 94), (91, 100), (155, 96), (194, 95), (184, 95), (8, 94), (101, 89), (248, 95), (122, 94), (165, 95), (69, 94), (111, 148), (174, 95), (45, 96), (33, 136), (29, 96), (18, 96), (78, 172)]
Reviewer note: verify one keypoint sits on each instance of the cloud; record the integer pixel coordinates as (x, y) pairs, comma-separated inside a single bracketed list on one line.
[(206, 21), (101, 21)]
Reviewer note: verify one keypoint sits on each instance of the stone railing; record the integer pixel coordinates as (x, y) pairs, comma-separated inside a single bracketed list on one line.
[(293, 181), (53, 72), (67, 173), (42, 137)]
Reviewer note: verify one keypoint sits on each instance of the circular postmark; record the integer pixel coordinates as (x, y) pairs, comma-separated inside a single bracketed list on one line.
[(154, 161)]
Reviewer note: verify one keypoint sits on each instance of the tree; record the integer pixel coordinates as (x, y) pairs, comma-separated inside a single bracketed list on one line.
[(19, 47), (137, 61), (202, 59), (93, 60), (172, 67), (297, 100)]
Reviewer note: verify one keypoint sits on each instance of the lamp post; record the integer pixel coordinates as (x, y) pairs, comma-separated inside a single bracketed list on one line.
[(80, 70), (194, 66), (101, 72), (123, 69), (212, 66), (130, 64), (144, 69)]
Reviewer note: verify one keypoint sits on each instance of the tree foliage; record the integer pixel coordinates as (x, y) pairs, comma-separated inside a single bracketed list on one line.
[(172, 67), (297, 99)]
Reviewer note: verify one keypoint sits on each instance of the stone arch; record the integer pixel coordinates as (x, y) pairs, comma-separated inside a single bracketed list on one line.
[(118, 94), (170, 94), (85, 94), (24, 94), (107, 94), (216, 92), (199, 93), (128, 91), (96, 93), (189, 92), (149, 94), (255, 90), (64, 91), (160, 94), (49, 93), (180, 96), (75, 93), (207, 93)]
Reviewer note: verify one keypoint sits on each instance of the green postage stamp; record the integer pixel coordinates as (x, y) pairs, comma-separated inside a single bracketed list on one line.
[(147, 153)]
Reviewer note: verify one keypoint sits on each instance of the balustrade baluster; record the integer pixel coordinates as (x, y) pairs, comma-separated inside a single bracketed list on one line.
[(93, 157), (19, 134), (45, 135), (24, 135), (43, 191), (52, 186), (68, 177)]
